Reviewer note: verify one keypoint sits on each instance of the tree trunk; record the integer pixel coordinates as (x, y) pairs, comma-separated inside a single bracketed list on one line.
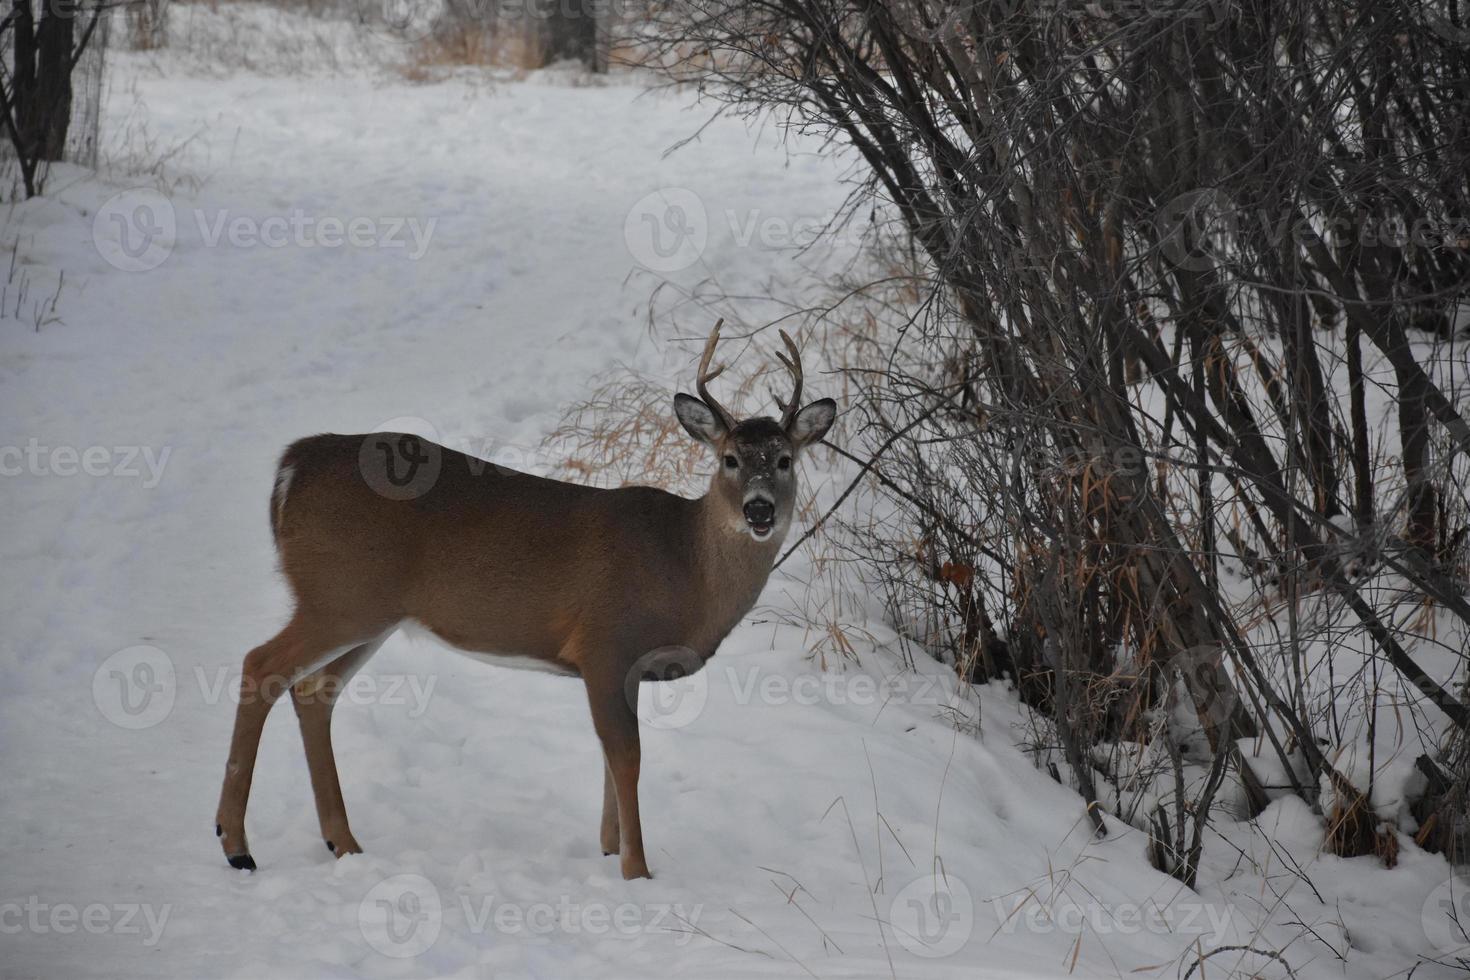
[(53, 81), (40, 93), (571, 31)]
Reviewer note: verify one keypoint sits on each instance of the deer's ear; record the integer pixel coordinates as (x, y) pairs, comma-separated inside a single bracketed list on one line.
[(811, 423), (698, 419)]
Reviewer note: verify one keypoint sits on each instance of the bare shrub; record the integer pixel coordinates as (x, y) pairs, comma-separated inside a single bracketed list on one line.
[(1173, 392)]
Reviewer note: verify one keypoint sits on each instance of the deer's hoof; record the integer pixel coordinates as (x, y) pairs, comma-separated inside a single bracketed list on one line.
[(241, 862), (343, 845)]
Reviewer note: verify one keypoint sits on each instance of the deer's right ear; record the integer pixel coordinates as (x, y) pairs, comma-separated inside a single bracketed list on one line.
[(698, 419)]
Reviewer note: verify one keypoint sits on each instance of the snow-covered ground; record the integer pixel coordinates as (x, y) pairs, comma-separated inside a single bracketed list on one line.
[(344, 251)]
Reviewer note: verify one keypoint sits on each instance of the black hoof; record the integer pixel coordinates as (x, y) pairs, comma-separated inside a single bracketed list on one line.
[(608, 853), (242, 862)]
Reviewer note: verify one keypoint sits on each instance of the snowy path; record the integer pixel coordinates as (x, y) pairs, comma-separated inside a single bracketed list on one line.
[(475, 791)]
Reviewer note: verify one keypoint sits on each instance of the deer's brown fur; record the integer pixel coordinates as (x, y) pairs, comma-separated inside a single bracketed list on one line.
[(612, 586)]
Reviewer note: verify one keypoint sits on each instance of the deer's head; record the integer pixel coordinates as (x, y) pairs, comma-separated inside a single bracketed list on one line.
[(755, 483)]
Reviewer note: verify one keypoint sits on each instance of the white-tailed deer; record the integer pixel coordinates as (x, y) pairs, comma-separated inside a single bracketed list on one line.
[(612, 586)]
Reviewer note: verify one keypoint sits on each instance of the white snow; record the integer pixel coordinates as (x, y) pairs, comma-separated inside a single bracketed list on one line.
[(797, 818)]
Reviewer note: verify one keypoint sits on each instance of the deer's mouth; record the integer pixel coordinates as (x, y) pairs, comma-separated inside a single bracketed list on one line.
[(760, 517), (760, 531)]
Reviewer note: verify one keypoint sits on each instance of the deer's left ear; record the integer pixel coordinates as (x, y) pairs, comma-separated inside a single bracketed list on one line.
[(811, 423), (698, 419)]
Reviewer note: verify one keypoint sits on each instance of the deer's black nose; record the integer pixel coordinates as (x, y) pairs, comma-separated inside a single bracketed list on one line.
[(761, 513)]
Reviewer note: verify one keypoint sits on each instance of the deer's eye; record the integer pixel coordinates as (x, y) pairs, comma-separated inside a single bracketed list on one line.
[(731, 462), (784, 463)]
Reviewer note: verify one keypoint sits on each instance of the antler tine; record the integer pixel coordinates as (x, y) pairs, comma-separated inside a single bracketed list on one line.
[(705, 376), (793, 364)]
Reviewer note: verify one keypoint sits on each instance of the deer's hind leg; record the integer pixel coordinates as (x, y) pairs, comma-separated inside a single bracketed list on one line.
[(269, 670), (611, 830), (314, 697)]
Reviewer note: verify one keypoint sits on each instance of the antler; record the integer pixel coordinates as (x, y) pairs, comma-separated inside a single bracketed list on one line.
[(705, 376), (793, 364)]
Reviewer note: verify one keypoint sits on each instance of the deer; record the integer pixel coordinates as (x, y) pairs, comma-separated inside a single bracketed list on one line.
[(614, 586)]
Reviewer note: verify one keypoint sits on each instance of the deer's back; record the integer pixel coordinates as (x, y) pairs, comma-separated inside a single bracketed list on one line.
[(488, 558)]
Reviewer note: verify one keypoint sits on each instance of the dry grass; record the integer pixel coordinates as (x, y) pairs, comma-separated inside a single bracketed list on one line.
[(471, 46), (1354, 830), (28, 301), (625, 434), (147, 25)]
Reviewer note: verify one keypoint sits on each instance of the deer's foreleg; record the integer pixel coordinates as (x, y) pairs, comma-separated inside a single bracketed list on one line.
[(616, 724)]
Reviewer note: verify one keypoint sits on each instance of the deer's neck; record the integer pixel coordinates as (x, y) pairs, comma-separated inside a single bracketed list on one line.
[(733, 568)]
